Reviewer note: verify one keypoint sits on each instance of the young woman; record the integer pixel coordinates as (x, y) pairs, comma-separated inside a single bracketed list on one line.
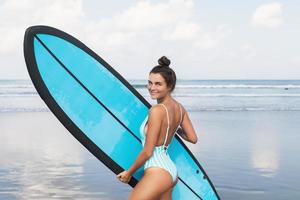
[(157, 131)]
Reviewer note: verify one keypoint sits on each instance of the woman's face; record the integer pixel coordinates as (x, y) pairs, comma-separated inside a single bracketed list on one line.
[(157, 86)]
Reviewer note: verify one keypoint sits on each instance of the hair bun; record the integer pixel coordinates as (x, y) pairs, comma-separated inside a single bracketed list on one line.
[(164, 61)]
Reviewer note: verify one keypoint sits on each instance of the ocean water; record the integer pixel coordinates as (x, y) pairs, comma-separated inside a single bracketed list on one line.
[(236, 95), (196, 95), (248, 142)]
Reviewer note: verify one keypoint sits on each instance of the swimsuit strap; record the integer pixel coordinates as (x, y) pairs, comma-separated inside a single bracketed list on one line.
[(179, 122), (180, 116), (168, 124)]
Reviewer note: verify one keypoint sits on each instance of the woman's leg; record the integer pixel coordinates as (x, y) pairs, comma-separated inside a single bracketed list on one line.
[(153, 184), (167, 195)]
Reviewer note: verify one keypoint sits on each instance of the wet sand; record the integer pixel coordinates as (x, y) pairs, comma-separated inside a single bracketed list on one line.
[(247, 155)]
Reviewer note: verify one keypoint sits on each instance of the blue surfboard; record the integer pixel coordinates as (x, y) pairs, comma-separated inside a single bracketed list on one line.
[(100, 108)]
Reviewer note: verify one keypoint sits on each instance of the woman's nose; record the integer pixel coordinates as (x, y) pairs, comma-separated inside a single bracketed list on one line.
[(150, 87), (154, 87)]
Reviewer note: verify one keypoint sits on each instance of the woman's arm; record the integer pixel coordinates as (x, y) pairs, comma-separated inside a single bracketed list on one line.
[(154, 125), (187, 131)]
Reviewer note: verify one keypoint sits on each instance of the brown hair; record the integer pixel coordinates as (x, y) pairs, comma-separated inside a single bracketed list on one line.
[(165, 71)]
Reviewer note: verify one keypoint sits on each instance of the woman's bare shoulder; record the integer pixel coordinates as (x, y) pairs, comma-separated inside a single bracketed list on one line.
[(181, 107), (156, 110)]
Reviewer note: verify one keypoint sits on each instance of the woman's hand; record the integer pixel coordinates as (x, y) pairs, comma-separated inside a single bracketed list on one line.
[(124, 177)]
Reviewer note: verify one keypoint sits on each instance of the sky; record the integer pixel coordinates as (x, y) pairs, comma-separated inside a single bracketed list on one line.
[(204, 39)]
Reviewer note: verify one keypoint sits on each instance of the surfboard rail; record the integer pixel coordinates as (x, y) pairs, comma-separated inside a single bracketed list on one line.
[(32, 67)]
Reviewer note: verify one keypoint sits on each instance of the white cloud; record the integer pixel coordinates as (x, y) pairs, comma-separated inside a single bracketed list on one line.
[(146, 30), (200, 38), (17, 15), (184, 31), (146, 15), (215, 38), (268, 15), (143, 31), (295, 60), (145, 21), (193, 33), (248, 51)]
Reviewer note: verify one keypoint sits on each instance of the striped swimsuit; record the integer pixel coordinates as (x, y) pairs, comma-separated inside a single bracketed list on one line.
[(160, 157)]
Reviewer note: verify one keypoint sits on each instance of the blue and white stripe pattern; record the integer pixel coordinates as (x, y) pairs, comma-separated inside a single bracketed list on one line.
[(160, 157)]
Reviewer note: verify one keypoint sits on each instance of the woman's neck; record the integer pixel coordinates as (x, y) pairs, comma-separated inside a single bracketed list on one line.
[(164, 100)]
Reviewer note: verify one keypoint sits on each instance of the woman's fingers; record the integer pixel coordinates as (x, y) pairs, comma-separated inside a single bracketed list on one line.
[(120, 177), (123, 177)]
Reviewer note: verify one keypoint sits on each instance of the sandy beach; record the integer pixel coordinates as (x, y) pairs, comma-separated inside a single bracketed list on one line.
[(247, 155)]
